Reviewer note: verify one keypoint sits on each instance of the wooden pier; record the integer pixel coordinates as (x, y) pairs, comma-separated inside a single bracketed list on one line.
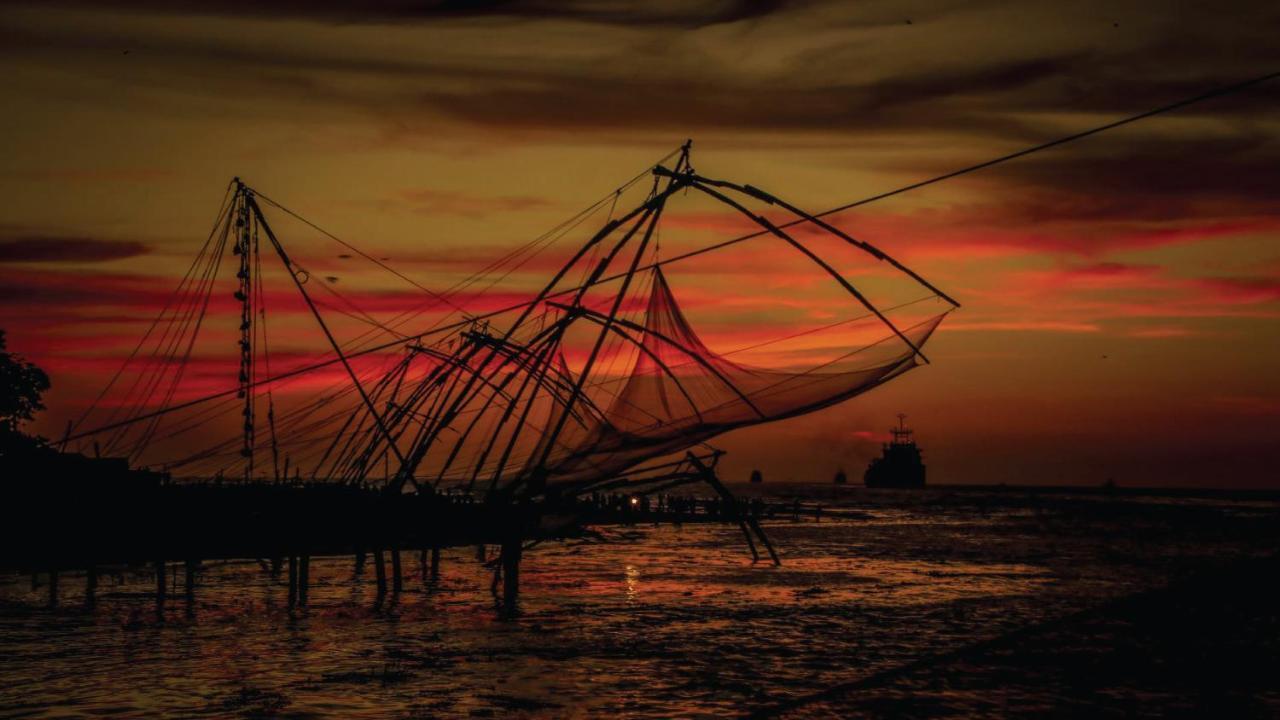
[(176, 527)]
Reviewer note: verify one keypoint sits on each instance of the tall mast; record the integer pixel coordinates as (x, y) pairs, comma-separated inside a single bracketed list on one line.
[(244, 248)]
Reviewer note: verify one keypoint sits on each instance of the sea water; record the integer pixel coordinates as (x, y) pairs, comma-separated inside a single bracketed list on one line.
[(650, 622)]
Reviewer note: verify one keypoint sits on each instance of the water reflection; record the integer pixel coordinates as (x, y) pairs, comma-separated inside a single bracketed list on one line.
[(632, 580)]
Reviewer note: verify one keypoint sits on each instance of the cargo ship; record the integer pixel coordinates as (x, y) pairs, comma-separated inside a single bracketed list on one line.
[(900, 464)]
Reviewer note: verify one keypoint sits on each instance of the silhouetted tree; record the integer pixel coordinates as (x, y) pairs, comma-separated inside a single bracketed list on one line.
[(22, 385)]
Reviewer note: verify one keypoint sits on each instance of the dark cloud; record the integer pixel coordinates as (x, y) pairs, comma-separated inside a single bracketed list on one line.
[(1154, 178), (658, 81), (50, 249), (1172, 163), (673, 13)]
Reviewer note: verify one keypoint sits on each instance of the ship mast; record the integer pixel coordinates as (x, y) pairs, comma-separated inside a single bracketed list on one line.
[(902, 433)]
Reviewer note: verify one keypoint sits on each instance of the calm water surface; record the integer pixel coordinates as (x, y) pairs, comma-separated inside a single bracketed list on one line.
[(658, 622)]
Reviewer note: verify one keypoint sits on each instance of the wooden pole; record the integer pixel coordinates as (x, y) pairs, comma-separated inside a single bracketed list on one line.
[(304, 578), (189, 568), (160, 588), (435, 563), (512, 549), (380, 571), (397, 581), (293, 579)]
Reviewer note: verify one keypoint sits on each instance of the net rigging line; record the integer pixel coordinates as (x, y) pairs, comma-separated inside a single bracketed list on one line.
[(226, 197), (1217, 92), (531, 248), (191, 307)]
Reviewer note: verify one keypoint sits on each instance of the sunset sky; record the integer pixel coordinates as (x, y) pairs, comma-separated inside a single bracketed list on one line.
[(1121, 295)]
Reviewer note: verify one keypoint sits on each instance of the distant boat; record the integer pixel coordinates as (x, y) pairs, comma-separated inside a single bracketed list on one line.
[(756, 477), (900, 464)]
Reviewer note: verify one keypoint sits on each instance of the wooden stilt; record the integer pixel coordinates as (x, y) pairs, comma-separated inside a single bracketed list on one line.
[(745, 521), (360, 557), (512, 549), (189, 568), (304, 578), (293, 580), (764, 539), (380, 571), (435, 563), (160, 586), (397, 578)]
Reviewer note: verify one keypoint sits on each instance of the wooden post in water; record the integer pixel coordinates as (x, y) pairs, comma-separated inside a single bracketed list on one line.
[(435, 563), (397, 579), (293, 579), (512, 549), (160, 588), (380, 571), (189, 584), (304, 578), (53, 587), (359, 560)]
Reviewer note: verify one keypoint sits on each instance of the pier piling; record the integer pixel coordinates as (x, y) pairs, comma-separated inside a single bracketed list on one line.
[(293, 579), (397, 578), (380, 571), (160, 586), (189, 567), (512, 549), (304, 578)]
